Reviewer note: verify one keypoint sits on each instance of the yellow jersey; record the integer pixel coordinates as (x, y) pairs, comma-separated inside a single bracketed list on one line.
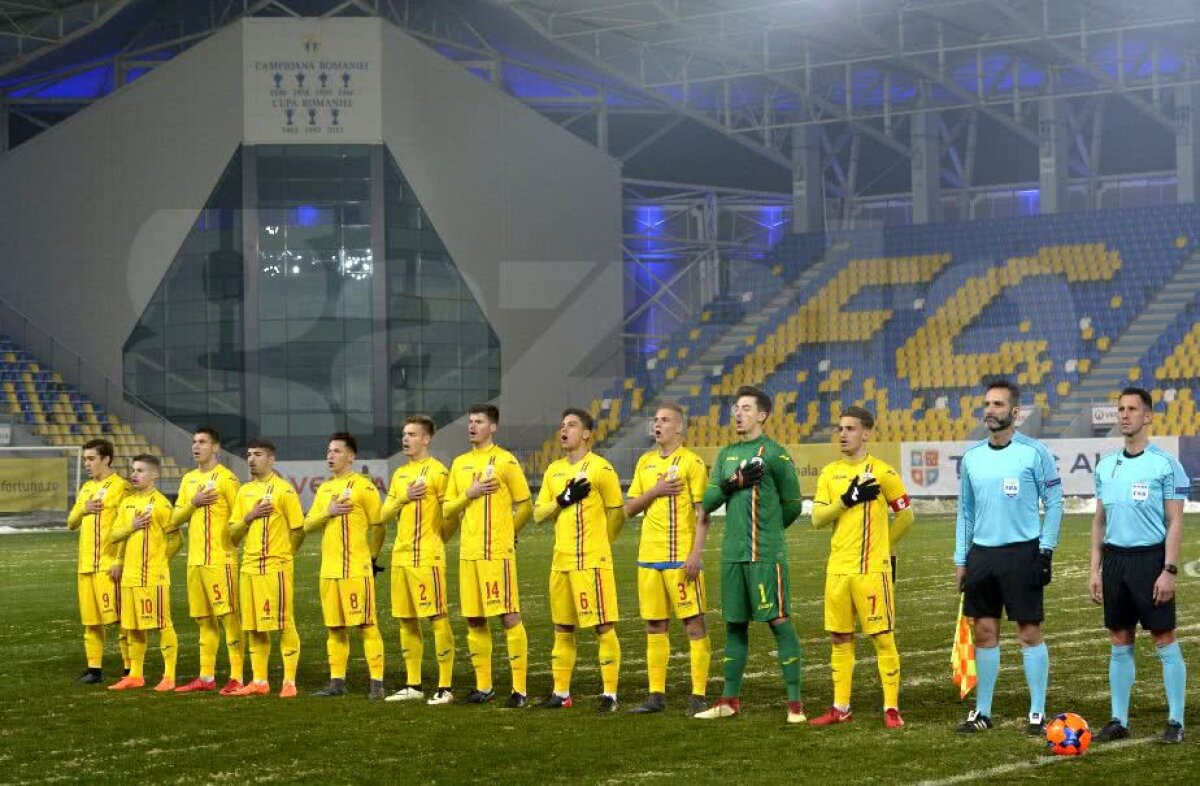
[(267, 547), (486, 531), (669, 523), (95, 554), (345, 553), (861, 540), (145, 563), (419, 524), (581, 530), (208, 530)]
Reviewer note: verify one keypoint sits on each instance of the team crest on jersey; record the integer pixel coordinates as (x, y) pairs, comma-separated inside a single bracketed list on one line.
[(1012, 487), (923, 469), (1139, 492)]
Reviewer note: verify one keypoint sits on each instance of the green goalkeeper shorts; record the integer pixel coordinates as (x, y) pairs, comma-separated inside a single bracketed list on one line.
[(754, 591)]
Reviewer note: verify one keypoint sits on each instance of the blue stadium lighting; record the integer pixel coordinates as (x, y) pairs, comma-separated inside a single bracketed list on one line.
[(311, 216), (1029, 202)]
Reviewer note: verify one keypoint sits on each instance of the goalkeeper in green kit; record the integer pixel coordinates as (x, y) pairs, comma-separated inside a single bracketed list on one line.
[(756, 481)]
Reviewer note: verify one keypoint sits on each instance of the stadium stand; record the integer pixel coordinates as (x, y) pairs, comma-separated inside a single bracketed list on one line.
[(910, 320), (37, 397)]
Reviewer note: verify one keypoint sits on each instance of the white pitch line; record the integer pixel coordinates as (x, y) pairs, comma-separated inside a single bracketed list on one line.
[(1005, 769)]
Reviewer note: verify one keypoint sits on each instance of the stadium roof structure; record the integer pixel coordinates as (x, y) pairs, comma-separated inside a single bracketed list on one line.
[(715, 91)]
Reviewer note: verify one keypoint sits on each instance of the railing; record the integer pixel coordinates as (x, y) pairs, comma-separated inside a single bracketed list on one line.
[(142, 418)]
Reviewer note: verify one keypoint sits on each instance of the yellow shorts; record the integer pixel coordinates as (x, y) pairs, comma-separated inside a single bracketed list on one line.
[(348, 602), (868, 594), (583, 598), (99, 599), (668, 591), (418, 592), (146, 608), (212, 590), (268, 601), (488, 587)]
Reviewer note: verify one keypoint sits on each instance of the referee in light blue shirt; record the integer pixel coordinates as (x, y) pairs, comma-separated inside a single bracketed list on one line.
[(1003, 549), (1136, 537)]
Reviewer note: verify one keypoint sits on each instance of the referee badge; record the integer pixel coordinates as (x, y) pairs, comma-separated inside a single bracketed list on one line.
[(1012, 487), (1139, 492)]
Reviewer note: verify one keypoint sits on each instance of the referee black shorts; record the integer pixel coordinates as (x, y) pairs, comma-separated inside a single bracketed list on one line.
[(1128, 576), (1004, 578)]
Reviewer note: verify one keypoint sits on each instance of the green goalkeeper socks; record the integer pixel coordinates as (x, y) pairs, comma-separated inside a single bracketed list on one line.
[(788, 644), (737, 644)]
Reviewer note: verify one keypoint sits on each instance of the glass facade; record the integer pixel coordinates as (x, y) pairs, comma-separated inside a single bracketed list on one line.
[(315, 278), (352, 317), (443, 354), (184, 357)]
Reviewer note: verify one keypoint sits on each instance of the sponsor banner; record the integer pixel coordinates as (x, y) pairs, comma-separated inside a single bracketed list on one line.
[(930, 469), (33, 484), (312, 81), (809, 459), (1104, 414), (306, 476), (5, 433), (1189, 457)]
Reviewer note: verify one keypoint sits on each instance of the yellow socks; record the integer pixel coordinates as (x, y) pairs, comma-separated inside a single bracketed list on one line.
[(443, 649), (137, 652), (518, 657), (841, 661), (562, 662), (210, 640), (610, 660), (479, 644), (289, 646), (93, 645), (373, 649), (168, 644), (235, 642), (701, 657), (888, 658), (338, 647), (412, 648), (658, 652), (123, 646), (260, 654)]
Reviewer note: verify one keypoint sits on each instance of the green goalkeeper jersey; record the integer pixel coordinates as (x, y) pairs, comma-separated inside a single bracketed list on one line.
[(755, 517)]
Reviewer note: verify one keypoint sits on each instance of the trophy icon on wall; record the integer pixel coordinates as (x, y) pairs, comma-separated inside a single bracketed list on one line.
[(300, 80), (278, 77), (323, 78), (346, 81), (335, 112), (290, 114), (312, 117)]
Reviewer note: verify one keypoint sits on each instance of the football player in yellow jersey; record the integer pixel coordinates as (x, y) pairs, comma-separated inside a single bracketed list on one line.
[(95, 508), (146, 539), (346, 509), (206, 496), (488, 492), (267, 519), (668, 487), (853, 495), (414, 498), (582, 494)]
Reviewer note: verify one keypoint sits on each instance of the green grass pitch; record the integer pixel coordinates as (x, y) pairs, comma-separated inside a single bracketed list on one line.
[(53, 730)]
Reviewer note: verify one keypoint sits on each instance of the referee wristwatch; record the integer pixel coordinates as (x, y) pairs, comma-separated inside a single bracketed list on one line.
[(1171, 568)]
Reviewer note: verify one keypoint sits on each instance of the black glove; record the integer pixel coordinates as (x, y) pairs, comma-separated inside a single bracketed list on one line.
[(1045, 564), (893, 558), (745, 476), (867, 491), (376, 569), (576, 490)]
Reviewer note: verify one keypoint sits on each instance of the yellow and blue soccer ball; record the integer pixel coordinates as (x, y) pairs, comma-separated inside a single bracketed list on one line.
[(1067, 734)]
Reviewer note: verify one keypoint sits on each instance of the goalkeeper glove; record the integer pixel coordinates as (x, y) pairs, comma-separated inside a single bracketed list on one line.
[(376, 568), (1045, 568), (867, 491), (575, 491), (747, 475), (893, 560)]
